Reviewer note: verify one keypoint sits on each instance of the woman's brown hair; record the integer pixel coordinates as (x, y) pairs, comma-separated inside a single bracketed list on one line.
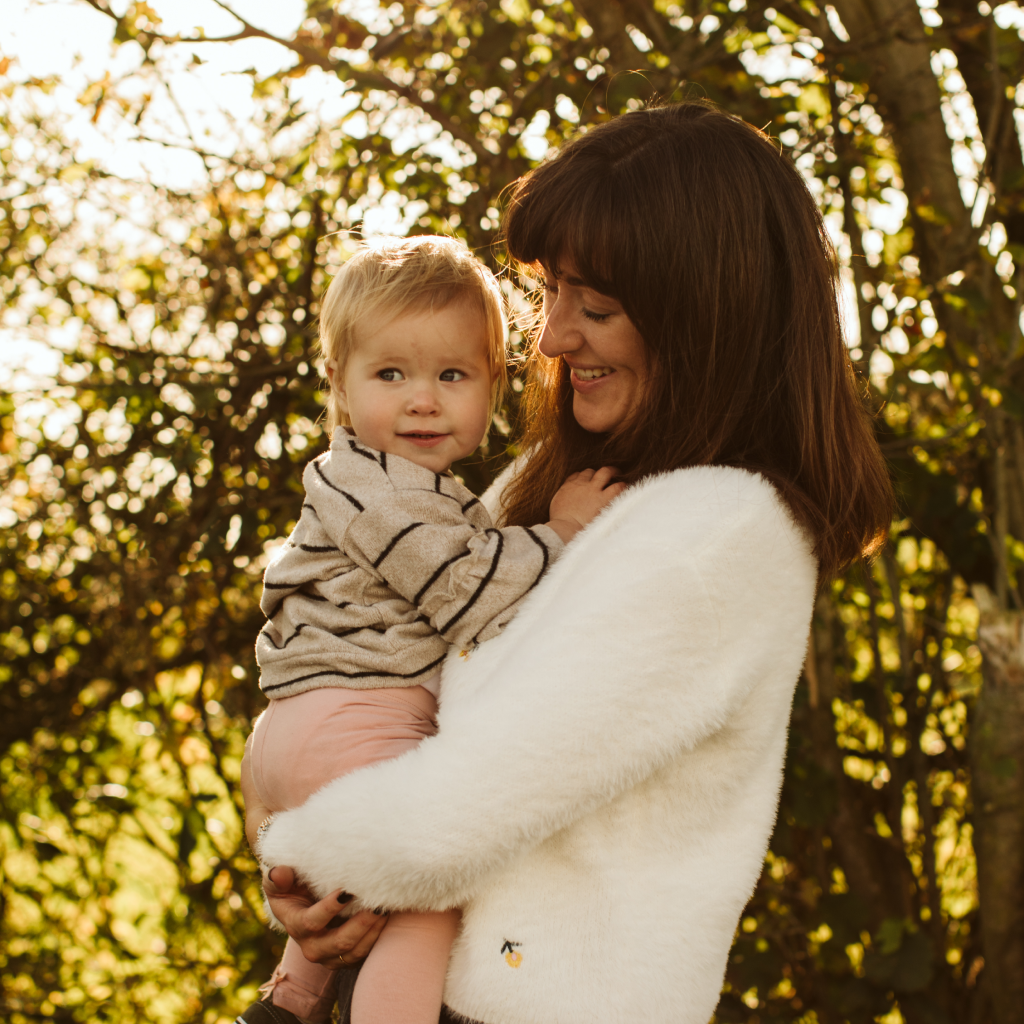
[(713, 244)]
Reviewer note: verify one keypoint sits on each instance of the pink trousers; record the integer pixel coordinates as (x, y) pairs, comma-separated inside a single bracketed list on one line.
[(299, 744)]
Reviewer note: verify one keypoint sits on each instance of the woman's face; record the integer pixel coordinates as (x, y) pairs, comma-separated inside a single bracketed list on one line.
[(602, 348)]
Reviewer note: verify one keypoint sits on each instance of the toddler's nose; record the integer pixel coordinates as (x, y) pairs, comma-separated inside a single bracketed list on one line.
[(423, 402)]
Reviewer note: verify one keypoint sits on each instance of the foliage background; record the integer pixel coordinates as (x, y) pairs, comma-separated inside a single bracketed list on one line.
[(144, 486)]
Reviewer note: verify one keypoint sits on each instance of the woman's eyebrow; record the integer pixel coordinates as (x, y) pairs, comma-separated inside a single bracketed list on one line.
[(572, 280)]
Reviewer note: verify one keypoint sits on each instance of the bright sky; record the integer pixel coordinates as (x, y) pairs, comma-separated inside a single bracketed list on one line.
[(70, 40)]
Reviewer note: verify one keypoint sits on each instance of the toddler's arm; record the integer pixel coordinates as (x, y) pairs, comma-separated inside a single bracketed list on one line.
[(467, 579)]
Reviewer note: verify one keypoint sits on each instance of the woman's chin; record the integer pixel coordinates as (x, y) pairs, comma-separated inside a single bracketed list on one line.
[(596, 416)]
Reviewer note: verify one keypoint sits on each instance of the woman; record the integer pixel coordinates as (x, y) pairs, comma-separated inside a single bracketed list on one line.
[(604, 783)]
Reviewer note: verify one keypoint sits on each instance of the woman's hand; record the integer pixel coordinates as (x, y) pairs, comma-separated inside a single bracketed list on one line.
[(305, 920), (314, 925), (580, 498)]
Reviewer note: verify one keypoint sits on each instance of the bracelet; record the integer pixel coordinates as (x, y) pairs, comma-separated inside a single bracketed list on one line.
[(260, 832)]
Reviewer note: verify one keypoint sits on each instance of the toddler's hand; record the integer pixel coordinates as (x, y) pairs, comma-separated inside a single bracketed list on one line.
[(580, 499)]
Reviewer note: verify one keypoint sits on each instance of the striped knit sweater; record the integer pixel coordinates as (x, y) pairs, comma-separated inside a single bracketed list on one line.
[(388, 565)]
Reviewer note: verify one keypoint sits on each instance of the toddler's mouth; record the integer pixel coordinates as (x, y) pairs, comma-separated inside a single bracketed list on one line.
[(424, 438)]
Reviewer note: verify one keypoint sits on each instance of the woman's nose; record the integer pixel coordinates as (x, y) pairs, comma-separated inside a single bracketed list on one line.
[(558, 336)]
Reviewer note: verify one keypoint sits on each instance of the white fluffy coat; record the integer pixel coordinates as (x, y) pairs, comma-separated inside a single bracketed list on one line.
[(604, 783)]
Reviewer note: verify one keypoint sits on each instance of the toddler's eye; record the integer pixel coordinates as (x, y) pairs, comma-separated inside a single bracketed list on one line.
[(452, 375), (390, 375)]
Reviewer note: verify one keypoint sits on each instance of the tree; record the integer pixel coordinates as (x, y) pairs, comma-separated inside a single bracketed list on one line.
[(144, 488)]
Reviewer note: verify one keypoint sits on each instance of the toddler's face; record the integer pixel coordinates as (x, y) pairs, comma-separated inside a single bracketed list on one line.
[(420, 386)]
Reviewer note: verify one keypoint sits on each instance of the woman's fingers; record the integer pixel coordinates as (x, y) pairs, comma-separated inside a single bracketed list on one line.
[(299, 911), (319, 916), (281, 882), (345, 945), (278, 880), (365, 944), (310, 924)]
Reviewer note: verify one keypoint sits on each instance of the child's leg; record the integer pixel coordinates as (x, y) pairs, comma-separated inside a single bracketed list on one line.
[(300, 987), (299, 744), (402, 981)]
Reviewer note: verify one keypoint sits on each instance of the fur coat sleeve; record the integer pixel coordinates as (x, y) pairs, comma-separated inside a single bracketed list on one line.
[(638, 646)]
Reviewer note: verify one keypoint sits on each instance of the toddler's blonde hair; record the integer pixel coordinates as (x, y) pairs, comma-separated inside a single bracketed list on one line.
[(391, 278)]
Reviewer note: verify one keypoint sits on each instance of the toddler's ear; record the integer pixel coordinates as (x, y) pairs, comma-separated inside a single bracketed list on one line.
[(334, 377)]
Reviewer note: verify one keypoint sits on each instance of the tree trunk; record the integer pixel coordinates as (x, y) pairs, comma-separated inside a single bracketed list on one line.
[(997, 753), (888, 36)]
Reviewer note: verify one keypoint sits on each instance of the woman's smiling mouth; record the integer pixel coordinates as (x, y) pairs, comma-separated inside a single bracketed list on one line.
[(584, 375)]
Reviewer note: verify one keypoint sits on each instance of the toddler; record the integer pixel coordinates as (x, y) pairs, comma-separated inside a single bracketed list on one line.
[(392, 562)]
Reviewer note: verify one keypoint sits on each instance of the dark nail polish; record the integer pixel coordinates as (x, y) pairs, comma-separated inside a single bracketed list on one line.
[(345, 897), (379, 910)]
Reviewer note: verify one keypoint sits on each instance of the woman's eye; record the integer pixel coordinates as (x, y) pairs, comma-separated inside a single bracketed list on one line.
[(452, 375), (550, 286), (598, 318), (390, 375)]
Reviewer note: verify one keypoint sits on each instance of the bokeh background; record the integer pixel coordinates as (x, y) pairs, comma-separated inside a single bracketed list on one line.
[(179, 180)]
